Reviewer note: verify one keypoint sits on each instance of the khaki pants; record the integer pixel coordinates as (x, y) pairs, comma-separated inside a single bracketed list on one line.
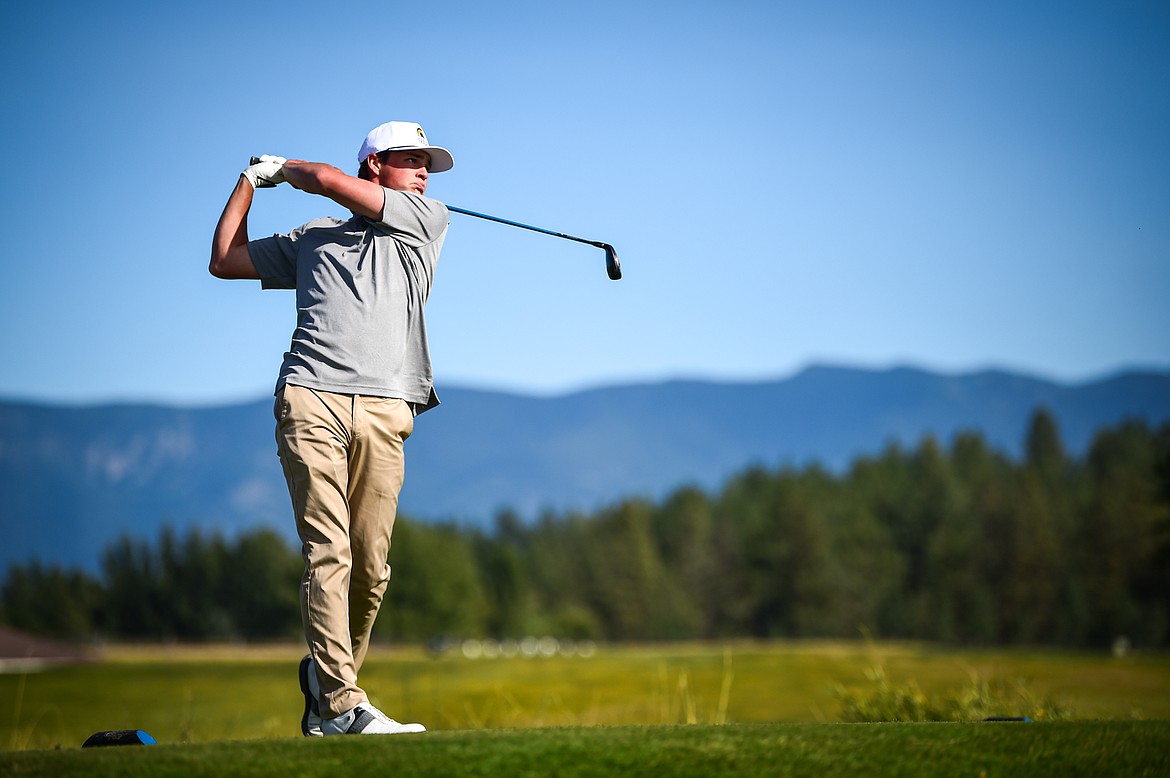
[(343, 459)]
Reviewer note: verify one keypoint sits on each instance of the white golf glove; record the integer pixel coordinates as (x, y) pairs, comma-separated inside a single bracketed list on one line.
[(269, 171)]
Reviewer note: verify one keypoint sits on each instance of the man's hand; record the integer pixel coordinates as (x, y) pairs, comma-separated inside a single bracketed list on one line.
[(268, 171)]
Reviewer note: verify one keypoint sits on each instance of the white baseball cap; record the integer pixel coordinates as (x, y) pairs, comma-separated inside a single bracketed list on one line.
[(399, 136)]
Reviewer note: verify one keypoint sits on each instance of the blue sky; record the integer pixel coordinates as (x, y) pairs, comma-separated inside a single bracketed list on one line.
[(949, 185)]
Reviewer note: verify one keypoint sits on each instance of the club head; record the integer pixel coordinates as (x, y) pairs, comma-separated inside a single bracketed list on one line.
[(612, 266)]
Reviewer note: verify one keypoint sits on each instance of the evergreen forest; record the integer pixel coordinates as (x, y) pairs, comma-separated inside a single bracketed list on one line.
[(951, 542)]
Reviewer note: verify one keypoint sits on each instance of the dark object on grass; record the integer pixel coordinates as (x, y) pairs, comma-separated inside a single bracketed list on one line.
[(119, 737), (1008, 718)]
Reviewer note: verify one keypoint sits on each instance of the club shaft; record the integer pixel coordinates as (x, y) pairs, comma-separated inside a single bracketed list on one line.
[(478, 215), (612, 266)]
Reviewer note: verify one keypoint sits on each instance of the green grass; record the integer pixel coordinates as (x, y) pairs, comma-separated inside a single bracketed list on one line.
[(183, 695), (1131, 748)]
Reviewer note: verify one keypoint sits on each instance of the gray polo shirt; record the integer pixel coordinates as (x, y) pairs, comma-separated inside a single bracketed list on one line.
[(361, 286)]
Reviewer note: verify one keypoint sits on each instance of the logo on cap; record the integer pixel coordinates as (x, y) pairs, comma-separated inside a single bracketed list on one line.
[(421, 136)]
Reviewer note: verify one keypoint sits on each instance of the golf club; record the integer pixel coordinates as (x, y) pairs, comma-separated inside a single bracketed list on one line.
[(611, 261), (612, 267)]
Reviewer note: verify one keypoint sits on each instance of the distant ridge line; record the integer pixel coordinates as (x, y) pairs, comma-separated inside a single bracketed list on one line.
[(77, 477)]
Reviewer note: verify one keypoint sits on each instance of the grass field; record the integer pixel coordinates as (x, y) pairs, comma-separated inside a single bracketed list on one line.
[(737, 696), (1104, 748)]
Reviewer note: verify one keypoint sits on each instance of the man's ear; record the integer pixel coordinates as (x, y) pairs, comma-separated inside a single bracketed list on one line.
[(374, 164)]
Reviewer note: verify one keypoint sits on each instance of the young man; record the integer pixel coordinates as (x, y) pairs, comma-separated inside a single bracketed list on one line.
[(355, 376)]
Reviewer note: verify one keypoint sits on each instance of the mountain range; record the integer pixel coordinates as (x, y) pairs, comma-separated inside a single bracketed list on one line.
[(74, 479)]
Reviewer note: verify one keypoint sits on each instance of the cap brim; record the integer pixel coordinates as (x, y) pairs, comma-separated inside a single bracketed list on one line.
[(441, 159)]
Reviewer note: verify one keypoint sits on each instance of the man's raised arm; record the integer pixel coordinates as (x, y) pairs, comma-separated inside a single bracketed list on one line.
[(229, 245), (363, 197)]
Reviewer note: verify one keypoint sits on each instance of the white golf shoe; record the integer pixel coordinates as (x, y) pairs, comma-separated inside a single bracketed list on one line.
[(365, 719)]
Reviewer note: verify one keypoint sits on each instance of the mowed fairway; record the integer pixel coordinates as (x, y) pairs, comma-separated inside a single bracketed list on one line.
[(1106, 748), (193, 694)]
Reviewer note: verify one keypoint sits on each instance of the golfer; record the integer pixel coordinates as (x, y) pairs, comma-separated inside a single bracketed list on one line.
[(357, 373)]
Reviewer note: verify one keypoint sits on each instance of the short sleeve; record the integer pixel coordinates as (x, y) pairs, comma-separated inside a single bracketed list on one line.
[(413, 219), (275, 260)]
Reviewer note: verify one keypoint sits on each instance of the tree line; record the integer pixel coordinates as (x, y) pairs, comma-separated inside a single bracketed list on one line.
[(956, 543)]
